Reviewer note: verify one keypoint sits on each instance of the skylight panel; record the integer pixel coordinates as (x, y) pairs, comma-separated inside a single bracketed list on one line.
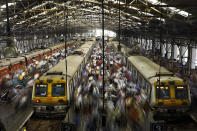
[(135, 17), (20, 22), (173, 9), (184, 13), (139, 23), (153, 1), (134, 8), (117, 1), (146, 13), (38, 6), (161, 19)]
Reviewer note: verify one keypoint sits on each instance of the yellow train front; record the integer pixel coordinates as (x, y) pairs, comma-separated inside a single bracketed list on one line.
[(170, 98), (168, 95), (49, 97), (53, 91)]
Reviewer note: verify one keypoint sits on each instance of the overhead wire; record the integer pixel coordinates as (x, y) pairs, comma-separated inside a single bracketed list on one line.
[(119, 22), (65, 44), (103, 116), (160, 50)]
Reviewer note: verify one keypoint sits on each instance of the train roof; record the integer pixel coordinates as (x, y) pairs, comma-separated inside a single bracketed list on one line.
[(7, 61), (150, 70), (124, 49), (73, 63)]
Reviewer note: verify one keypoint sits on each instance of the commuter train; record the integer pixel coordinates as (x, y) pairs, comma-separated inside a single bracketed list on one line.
[(9, 65), (168, 95), (53, 91)]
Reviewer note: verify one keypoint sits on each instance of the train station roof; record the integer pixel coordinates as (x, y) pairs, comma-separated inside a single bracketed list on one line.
[(173, 17)]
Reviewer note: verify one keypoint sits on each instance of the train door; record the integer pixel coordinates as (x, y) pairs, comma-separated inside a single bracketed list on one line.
[(149, 90), (73, 86), (128, 66), (79, 74)]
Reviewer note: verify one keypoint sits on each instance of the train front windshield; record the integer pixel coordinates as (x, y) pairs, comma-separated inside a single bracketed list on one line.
[(58, 89), (181, 92), (163, 92), (41, 90)]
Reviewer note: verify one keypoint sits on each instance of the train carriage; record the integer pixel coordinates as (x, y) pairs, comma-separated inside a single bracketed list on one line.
[(168, 95), (14, 64), (53, 91)]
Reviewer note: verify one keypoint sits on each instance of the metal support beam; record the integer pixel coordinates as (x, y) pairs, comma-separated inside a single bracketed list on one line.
[(172, 54), (175, 51), (189, 57)]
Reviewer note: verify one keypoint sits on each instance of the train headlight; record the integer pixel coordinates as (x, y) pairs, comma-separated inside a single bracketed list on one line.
[(37, 101)]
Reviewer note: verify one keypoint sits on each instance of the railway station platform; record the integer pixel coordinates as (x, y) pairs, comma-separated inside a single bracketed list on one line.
[(124, 109), (15, 116)]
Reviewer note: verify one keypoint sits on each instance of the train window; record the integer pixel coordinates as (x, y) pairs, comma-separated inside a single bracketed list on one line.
[(134, 72), (163, 92), (145, 85), (58, 89), (181, 92), (41, 90)]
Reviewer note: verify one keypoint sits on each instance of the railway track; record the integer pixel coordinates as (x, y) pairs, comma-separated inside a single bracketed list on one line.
[(43, 124), (183, 124)]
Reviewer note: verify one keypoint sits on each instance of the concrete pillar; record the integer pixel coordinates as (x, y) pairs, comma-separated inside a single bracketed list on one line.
[(147, 44), (158, 44), (193, 59), (163, 50), (175, 51), (168, 50), (35, 41), (184, 54), (150, 44), (144, 43)]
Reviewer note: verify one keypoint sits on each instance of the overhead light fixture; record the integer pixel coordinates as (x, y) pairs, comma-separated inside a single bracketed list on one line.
[(9, 4)]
